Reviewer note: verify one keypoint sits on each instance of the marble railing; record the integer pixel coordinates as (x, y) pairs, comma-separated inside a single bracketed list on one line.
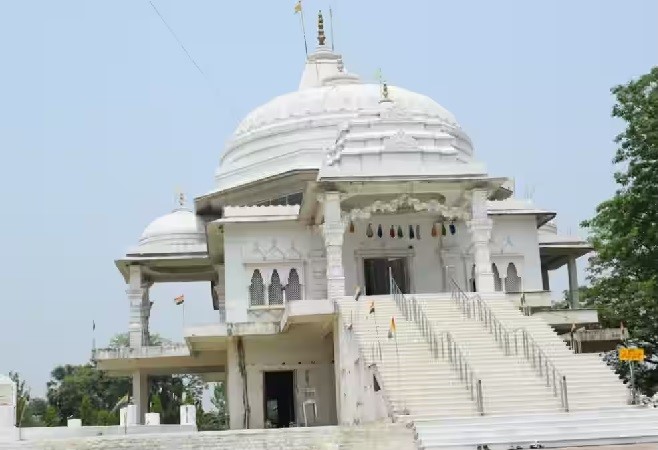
[(155, 351)]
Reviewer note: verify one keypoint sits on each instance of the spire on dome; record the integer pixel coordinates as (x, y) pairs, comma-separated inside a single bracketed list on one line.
[(321, 36), (180, 200)]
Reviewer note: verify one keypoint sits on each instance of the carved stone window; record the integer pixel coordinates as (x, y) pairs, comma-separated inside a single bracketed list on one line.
[(275, 290), (512, 280), (257, 289), (293, 288), (498, 283)]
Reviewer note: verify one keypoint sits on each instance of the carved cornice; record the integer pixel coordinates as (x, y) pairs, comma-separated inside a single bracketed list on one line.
[(405, 201)]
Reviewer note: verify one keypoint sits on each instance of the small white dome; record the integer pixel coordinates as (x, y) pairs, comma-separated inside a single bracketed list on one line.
[(180, 231)]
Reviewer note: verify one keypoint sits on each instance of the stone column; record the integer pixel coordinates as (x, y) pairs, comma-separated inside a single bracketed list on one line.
[(545, 280), (333, 231), (573, 282), (234, 386), (219, 293), (135, 294), (140, 394), (145, 314), (480, 227)]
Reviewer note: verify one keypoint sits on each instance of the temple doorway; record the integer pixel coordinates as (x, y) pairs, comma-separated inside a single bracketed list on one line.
[(376, 273), (279, 398)]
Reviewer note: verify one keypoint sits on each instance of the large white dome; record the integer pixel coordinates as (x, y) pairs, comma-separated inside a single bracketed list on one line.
[(337, 100), (295, 130)]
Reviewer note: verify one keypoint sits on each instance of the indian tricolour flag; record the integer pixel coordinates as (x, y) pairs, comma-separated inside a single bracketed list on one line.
[(179, 300)]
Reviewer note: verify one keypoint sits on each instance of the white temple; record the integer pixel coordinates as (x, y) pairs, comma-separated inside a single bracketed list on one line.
[(345, 186)]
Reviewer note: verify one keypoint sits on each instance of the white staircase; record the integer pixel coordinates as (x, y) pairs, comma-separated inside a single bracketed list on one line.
[(512, 385), (591, 384), (583, 428), (417, 384)]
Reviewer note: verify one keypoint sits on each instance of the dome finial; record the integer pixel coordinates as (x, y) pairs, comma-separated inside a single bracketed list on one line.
[(180, 199), (321, 36), (383, 85)]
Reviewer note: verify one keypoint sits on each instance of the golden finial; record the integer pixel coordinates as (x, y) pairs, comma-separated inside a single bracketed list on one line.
[(321, 37)]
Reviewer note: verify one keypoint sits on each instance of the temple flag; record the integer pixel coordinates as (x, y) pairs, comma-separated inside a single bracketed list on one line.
[(357, 294), (179, 300), (298, 6), (392, 328), (372, 308)]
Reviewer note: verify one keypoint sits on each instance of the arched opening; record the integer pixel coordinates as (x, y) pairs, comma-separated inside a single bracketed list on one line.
[(275, 289), (293, 288), (498, 283), (257, 289), (512, 280)]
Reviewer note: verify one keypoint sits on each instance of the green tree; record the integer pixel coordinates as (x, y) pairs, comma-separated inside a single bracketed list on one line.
[(50, 417), (22, 401), (87, 412), (156, 404), (624, 271)]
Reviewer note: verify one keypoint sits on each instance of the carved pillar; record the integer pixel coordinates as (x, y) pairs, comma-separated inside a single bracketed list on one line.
[(135, 294), (480, 227), (218, 289), (145, 313), (333, 231)]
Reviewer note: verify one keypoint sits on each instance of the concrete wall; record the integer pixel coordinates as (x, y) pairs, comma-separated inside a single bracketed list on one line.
[(422, 253), (269, 246), (356, 397), (42, 433), (521, 249), (286, 245), (304, 349)]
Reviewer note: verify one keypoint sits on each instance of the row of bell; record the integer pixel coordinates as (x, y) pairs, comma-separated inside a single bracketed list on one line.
[(414, 233)]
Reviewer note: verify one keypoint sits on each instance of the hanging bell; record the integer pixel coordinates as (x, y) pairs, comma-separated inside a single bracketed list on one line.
[(453, 228), (400, 234), (380, 233), (443, 229), (411, 232), (434, 233), (351, 227), (369, 232), (391, 232), (418, 232)]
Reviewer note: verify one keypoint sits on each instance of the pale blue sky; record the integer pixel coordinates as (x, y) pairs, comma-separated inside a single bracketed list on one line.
[(102, 117)]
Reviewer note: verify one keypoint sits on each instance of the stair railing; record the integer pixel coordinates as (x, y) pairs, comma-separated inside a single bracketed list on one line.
[(540, 361), (440, 343), (475, 308)]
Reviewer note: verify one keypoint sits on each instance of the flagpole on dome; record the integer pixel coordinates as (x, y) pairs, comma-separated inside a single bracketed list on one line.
[(331, 28), (300, 11)]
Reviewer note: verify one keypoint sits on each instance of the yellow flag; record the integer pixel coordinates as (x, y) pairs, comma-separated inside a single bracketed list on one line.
[(393, 329), (298, 6)]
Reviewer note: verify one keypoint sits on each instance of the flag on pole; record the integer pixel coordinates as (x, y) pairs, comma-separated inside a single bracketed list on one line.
[(357, 294), (573, 327), (298, 6), (93, 325), (179, 300), (372, 308), (392, 328)]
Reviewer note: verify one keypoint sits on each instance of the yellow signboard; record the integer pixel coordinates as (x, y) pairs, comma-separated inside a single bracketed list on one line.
[(631, 354)]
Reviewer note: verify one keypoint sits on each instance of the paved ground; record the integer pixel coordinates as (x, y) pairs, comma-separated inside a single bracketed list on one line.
[(616, 447)]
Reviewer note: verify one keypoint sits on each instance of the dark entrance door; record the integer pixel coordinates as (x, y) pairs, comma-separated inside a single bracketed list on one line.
[(279, 396), (376, 271)]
